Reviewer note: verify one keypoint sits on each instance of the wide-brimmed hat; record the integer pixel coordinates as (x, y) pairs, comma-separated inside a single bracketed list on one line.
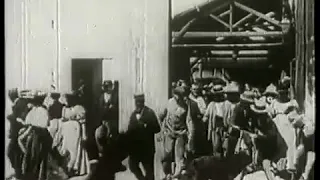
[(216, 80), (247, 96), (271, 90), (26, 94), (217, 89), (259, 107), (285, 79), (233, 87)]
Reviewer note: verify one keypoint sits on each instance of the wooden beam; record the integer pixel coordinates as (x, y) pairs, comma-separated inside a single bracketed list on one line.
[(259, 14), (257, 45), (183, 30), (228, 34), (269, 14), (219, 20), (242, 20), (224, 13), (231, 17)]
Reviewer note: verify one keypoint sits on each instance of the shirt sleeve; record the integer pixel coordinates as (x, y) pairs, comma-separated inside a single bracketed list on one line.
[(207, 113), (202, 105)]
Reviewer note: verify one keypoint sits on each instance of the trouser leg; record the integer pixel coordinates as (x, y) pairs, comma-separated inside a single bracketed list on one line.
[(167, 158), (216, 142), (148, 165), (266, 165), (180, 145), (134, 168)]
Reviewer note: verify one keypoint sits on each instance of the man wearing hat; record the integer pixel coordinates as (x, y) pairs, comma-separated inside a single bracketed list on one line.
[(178, 120), (143, 125), (108, 103), (232, 92), (108, 147), (214, 117), (241, 117), (196, 96), (264, 137), (269, 96)]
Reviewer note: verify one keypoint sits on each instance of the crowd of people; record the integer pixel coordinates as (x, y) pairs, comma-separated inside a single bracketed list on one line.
[(220, 120)]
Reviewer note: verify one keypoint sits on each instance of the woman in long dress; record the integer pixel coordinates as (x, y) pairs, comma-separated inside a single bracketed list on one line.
[(35, 142), (70, 139), (281, 107)]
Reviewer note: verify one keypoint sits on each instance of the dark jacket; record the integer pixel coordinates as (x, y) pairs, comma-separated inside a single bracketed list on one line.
[(107, 112), (267, 141), (141, 132), (241, 117)]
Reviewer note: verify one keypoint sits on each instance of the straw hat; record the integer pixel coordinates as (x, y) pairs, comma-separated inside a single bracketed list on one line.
[(271, 90), (259, 107), (247, 96), (217, 89), (233, 87)]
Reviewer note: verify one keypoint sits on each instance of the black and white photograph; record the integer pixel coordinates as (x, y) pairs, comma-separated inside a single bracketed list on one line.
[(159, 90)]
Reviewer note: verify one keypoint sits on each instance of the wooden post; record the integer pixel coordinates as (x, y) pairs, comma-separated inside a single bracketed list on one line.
[(230, 17)]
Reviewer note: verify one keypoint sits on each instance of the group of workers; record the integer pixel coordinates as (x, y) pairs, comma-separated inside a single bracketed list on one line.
[(197, 121)]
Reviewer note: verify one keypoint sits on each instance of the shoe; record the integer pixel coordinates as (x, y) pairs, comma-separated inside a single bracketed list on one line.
[(167, 177)]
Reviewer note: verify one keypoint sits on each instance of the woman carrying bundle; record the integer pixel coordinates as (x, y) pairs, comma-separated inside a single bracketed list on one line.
[(35, 141)]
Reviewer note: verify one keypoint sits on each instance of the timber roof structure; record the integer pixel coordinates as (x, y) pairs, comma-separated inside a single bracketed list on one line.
[(225, 24)]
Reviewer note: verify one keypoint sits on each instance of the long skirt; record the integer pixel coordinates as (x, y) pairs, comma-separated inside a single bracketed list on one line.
[(37, 144), (288, 133), (72, 144)]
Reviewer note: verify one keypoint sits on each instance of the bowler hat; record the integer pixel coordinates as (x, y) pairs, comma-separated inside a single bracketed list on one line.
[(139, 96), (107, 83), (259, 107), (247, 96)]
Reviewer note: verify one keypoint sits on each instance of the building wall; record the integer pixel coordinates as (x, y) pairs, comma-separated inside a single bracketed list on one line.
[(41, 43)]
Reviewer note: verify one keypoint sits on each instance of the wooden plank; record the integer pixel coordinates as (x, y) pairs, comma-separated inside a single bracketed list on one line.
[(184, 30), (257, 45), (242, 20), (228, 34), (257, 13), (219, 20)]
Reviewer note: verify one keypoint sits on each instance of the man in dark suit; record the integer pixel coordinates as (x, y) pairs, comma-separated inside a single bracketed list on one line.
[(143, 126), (108, 103)]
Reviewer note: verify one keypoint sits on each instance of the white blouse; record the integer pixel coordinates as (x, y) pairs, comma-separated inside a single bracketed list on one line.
[(38, 116)]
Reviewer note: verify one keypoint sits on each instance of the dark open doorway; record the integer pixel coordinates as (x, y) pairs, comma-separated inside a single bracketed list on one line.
[(89, 71)]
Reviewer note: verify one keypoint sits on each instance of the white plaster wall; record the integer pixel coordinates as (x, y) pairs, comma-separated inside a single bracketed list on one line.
[(133, 33)]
